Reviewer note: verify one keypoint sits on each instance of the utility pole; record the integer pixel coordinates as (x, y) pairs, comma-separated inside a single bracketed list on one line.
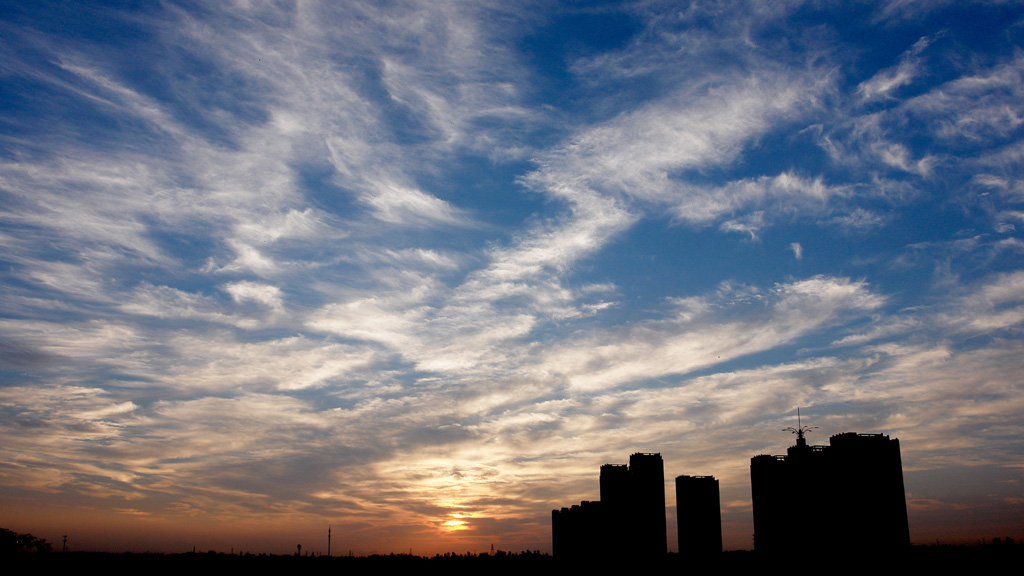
[(328, 540)]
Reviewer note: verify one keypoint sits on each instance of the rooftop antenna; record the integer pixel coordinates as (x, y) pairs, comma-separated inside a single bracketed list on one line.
[(800, 430)]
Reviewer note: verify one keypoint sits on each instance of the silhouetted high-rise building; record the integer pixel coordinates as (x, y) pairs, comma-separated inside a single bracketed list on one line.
[(850, 492), (647, 472), (699, 515), (617, 499), (628, 521)]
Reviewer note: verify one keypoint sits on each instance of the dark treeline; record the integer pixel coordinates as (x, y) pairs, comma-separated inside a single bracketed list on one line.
[(972, 558), (13, 543)]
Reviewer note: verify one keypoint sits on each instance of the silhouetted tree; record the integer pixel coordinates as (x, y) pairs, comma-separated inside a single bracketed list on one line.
[(13, 543)]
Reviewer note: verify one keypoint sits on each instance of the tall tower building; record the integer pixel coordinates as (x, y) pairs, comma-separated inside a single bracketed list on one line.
[(648, 476), (851, 491), (699, 516), (867, 471), (617, 499)]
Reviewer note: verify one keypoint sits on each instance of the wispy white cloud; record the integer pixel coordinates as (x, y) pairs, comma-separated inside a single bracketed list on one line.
[(976, 110), (265, 294), (637, 154), (760, 201), (979, 106), (167, 302), (897, 10), (994, 306), (884, 82), (798, 250), (396, 204), (696, 338)]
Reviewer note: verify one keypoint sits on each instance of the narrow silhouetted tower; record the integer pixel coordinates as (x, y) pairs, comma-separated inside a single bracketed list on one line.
[(647, 472), (617, 502), (699, 516)]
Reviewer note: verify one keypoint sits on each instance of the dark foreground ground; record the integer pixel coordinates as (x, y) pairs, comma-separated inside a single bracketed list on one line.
[(972, 558)]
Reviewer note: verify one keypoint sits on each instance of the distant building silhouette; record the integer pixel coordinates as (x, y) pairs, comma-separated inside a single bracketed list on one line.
[(628, 521), (615, 485), (617, 500), (580, 531), (649, 526), (849, 493), (699, 516)]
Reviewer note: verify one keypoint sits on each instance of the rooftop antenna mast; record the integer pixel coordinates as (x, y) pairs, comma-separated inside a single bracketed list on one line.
[(800, 430)]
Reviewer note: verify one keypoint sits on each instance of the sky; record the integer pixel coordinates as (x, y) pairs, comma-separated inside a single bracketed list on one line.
[(414, 270)]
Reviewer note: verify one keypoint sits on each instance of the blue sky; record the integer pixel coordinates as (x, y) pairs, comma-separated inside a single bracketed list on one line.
[(417, 269)]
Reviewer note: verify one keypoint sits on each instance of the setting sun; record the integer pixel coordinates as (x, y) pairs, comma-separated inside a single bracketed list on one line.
[(456, 523)]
